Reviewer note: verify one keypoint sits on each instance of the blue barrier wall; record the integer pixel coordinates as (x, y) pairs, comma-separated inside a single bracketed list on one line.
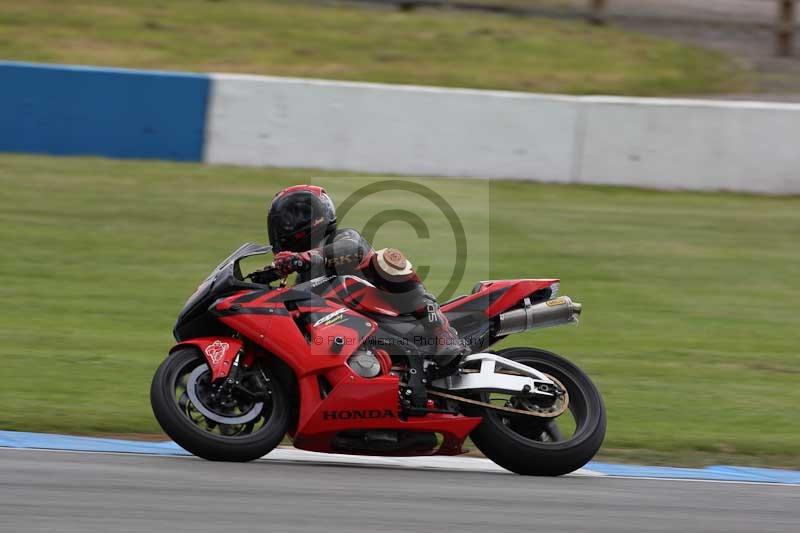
[(64, 110)]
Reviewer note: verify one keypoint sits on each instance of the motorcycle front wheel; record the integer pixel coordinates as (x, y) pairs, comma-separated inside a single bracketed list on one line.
[(535, 446), (206, 420)]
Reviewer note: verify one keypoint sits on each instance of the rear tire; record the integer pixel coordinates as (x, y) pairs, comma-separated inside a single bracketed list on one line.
[(176, 423), (523, 455)]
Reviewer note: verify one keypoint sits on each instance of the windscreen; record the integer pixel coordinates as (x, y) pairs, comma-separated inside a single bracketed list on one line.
[(245, 250)]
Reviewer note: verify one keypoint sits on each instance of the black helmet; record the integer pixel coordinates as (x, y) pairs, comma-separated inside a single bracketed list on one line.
[(300, 218)]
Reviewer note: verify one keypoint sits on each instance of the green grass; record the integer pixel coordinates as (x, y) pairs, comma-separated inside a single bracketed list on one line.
[(690, 326), (296, 38)]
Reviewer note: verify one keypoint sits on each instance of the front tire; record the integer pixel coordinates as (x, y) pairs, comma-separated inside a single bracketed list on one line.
[(195, 432), (521, 444)]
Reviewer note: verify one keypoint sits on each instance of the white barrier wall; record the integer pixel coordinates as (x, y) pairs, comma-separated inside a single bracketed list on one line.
[(685, 144), (671, 144), (393, 129)]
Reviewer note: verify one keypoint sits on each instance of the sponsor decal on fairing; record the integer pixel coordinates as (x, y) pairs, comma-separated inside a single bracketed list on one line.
[(217, 350)]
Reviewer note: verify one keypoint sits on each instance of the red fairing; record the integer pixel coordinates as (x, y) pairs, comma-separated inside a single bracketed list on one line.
[(218, 351), (319, 353), (365, 297), (334, 332), (494, 297), (358, 403)]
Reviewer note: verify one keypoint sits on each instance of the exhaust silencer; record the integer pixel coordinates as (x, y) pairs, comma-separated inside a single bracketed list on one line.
[(543, 315)]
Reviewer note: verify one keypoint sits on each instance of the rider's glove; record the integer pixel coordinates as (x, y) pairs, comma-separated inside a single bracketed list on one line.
[(285, 263)]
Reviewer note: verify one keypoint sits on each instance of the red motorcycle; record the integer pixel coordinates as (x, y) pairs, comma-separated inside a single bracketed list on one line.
[(330, 362)]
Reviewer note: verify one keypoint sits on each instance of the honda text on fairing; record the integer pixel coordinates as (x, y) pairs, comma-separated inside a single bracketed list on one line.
[(324, 362)]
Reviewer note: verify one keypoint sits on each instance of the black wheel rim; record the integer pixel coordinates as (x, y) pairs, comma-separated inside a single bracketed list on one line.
[(240, 412), (559, 431)]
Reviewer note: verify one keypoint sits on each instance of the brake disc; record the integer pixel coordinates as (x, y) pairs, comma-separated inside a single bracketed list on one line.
[(191, 390)]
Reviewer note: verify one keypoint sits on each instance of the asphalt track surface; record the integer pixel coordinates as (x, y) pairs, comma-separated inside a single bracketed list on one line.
[(91, 492)]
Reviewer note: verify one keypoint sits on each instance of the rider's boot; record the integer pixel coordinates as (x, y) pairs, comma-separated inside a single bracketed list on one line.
[(439, 346), (439, 335)]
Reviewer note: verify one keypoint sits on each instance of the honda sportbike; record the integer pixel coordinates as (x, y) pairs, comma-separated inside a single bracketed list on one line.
[(331, 363)]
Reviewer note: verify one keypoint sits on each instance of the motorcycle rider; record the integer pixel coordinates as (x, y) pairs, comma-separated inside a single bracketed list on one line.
[(304, 236)]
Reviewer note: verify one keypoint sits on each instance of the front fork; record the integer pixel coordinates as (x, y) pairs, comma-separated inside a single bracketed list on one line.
[(242, 363), (232, 380)]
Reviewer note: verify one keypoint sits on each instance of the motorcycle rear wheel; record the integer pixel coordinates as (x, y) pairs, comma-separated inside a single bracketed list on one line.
[(534, 446), (256, 427)]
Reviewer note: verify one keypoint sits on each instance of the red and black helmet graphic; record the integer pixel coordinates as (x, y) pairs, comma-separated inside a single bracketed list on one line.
[(300, 218)]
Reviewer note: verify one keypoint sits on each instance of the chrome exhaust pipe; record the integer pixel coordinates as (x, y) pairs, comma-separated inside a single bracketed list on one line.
[(547, 314)]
